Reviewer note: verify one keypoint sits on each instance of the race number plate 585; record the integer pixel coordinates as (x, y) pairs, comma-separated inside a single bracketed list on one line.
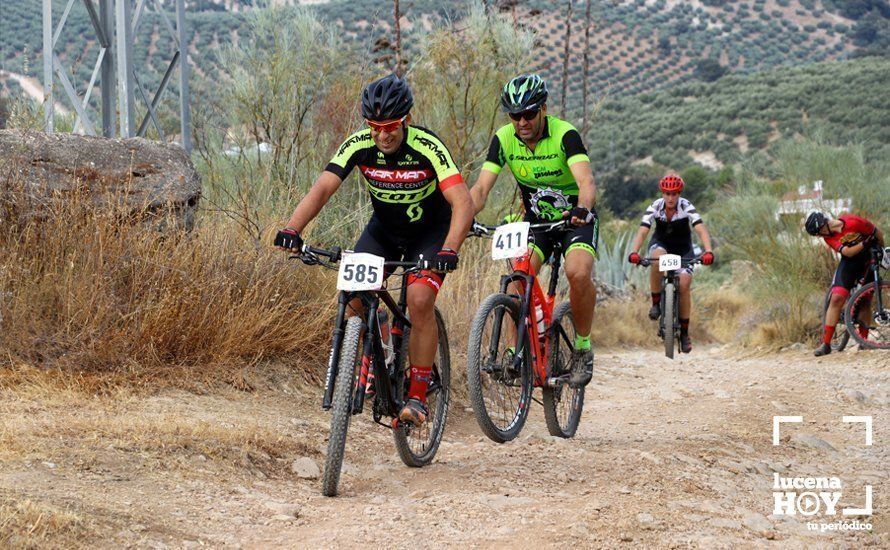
[(360, 271), (510, 241), (669, 262)]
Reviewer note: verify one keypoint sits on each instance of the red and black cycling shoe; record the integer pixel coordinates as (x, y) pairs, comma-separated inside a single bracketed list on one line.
[(414, 412)]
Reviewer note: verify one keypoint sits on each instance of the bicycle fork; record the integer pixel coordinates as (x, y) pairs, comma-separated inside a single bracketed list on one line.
[(334, 357)]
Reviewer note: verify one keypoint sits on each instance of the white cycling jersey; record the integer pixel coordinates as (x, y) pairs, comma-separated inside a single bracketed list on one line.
[(674, 235)]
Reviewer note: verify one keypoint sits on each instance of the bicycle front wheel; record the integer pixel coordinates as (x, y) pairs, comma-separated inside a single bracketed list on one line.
[(866, 322), (418, 445), (341, 409), (500, 394), (667, 318), (562, 404), (841, 336)]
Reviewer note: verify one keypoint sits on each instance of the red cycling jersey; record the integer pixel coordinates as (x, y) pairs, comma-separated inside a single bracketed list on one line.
[(855, 231)]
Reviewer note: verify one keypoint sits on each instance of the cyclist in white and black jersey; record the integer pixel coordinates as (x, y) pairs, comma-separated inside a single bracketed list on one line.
[(674, 218)]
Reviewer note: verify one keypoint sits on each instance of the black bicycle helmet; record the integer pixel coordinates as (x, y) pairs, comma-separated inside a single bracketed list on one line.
[(388, 98), (524, 93), (815, 222)]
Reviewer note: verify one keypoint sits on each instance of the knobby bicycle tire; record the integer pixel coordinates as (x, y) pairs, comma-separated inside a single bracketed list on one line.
[(562, 401), (667, 313), (851, 313), (494, 372), (419, 451), (341, 408)]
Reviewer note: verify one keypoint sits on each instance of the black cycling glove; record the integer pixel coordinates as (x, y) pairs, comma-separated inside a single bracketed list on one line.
[(289, 240)]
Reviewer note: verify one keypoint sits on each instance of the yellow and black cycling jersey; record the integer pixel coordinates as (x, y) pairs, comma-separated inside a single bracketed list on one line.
[(405, 186)]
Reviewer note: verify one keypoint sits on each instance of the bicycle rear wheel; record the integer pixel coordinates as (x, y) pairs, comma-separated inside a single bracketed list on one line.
[(861, 314), (500, 396), (562, 404), (841, 336), (667, 318), (418, 446), (341, 410)]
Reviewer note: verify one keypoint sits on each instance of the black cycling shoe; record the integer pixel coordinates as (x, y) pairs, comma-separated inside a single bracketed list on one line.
[(654, 311), (582, 368), (685, 344), (823, 349)]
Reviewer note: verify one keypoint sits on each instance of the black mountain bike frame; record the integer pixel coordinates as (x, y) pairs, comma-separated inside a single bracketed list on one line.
[(372, 353)]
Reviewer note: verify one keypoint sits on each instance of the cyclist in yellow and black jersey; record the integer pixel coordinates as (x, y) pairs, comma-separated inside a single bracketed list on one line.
[(421, 207)]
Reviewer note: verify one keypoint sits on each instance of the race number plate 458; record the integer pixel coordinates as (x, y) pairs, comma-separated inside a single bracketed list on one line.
[(510, 241), (669, 262), (360, 271)]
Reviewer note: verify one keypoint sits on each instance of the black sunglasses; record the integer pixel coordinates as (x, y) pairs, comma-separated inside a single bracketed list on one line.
[(529, 115)]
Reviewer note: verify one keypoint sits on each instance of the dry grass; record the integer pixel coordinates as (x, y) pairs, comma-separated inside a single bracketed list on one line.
[(29, 524), (84, 289)]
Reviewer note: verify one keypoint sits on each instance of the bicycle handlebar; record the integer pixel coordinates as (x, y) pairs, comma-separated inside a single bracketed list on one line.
[(481, 230), (309, 255), (684, 262)]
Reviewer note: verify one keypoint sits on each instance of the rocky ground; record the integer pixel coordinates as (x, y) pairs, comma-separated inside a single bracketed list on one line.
[(669, 454)]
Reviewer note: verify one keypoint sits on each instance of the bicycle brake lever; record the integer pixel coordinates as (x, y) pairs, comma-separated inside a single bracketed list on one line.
[(309, 259)]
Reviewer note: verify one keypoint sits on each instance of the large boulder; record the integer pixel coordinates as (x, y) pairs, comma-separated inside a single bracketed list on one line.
[(142, 179)]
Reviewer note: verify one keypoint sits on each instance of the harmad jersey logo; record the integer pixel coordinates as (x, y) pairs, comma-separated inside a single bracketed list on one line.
[(363, 136), (523, 171), (434, 147), (406, 176)]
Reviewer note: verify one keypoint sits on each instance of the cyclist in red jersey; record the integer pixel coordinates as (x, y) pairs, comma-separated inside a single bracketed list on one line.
[(850, 236), (422, 208)]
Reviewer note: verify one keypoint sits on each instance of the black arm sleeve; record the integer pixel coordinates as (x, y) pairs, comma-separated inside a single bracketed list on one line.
[(495, 153), (571, 142)]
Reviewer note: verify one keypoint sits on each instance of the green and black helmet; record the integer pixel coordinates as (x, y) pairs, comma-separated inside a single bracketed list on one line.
[(524, 93)]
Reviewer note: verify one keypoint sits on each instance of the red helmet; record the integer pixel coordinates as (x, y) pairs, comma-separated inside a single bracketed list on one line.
[(671, 182)]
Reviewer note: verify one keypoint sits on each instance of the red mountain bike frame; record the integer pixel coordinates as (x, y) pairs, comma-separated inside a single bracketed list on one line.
[(531, 296)]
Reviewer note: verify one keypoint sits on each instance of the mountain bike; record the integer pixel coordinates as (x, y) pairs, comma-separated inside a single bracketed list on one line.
[(867, 310), (358, 355), (520, 341), (670, 266)]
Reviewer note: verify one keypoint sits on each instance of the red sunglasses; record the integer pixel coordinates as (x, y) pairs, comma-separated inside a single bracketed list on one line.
[(388, 127)]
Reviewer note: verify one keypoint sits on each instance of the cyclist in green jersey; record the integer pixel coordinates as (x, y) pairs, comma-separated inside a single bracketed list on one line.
[(551, 167), (421, 208)]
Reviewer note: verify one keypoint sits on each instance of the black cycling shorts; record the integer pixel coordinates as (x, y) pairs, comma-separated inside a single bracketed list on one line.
[(849, 271), (375, 240), (687, 253), (585, 237)]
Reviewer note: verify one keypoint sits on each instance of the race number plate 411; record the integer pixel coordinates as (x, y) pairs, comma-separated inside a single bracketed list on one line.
[(510, 241), (360, 271), (669, 262)]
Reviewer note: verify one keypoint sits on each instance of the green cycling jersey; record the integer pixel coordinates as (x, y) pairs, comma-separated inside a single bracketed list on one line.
[(546, 183)]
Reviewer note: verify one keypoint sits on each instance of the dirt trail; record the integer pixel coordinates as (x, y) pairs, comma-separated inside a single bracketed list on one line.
[(669, 454)]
